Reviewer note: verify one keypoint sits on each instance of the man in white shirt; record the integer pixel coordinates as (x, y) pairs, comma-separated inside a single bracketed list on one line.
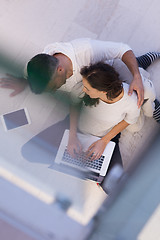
[(63, 61)]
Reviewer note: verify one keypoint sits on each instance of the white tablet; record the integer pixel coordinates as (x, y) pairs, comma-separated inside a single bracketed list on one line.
[(15, 119)]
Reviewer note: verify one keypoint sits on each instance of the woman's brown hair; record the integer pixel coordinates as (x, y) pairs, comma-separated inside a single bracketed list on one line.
[(102, 77)]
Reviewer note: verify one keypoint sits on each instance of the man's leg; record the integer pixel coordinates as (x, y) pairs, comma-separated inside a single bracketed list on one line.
[(156, 113), (44, 146), (115, 160), (116, 157), (144, 62)]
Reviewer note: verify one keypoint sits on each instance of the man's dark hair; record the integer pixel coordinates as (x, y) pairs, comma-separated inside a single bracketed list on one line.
[(40, 69), (102, 77)]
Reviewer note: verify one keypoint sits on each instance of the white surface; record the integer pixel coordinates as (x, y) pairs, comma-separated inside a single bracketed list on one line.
[(28, 26)]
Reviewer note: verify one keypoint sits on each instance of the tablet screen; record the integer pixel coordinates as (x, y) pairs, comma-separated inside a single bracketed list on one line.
[(15, 119)]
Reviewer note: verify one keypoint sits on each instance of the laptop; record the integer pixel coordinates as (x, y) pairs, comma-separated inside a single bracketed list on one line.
[(94, 170)]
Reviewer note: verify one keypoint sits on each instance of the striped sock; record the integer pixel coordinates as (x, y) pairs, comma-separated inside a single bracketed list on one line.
[(156, 113), (145, 60)]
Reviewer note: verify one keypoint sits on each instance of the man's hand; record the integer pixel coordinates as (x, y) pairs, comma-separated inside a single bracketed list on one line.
[(96, 149), (137, 85), (130, 60), (15, 83), (74, 146)]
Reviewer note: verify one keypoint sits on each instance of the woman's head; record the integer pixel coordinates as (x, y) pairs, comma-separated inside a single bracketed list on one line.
[(100, 79)]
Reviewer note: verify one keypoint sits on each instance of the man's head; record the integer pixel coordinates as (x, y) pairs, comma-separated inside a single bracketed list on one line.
[(41, 70)]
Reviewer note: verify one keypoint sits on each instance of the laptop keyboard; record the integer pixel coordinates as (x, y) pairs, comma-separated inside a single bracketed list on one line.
[(83, 162)]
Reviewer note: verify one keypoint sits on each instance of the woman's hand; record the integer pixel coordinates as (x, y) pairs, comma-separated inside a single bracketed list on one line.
[(15, 83), (96, 149), (74, 146)]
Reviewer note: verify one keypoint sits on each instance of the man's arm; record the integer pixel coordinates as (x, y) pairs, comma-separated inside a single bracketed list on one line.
[(17, 84), (129, 59)]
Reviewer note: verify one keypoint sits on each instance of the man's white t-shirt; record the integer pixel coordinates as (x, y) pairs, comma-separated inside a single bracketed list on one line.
[(83, 52), (100, 119)]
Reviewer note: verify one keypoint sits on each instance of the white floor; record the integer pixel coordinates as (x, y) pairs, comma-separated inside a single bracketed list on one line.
[(26, 27)]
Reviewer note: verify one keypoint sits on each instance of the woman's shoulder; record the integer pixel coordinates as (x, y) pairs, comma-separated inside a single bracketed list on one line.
[(126, 89), (129, 98), (125, 86)]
